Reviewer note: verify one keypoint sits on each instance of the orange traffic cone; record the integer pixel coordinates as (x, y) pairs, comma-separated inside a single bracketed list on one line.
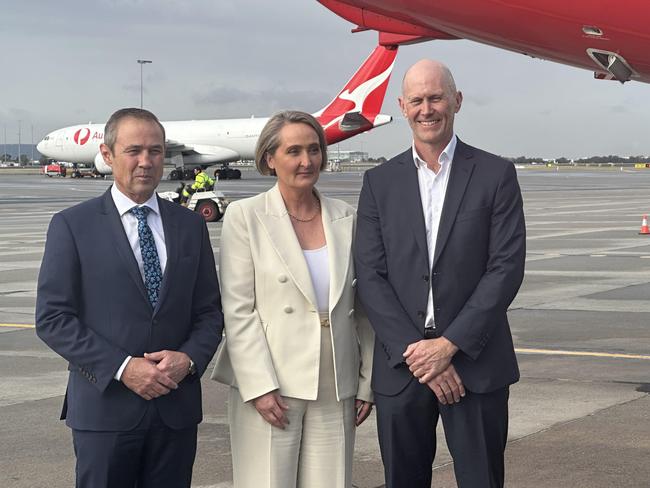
[(644, 226)]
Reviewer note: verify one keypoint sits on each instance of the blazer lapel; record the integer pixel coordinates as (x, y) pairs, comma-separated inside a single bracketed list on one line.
[(277, 225), (338, 234), (461, 170), (413, 203), (116, 230), (171, 230)]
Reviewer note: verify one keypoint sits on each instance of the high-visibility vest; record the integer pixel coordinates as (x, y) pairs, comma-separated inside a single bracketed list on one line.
[(201, 181)]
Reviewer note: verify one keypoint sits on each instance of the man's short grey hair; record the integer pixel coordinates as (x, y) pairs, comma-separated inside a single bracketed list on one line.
[(110, 130), (269, 139)]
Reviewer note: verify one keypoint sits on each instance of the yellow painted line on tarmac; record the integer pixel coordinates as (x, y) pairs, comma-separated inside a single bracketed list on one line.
[(18, 326), (557, 352)]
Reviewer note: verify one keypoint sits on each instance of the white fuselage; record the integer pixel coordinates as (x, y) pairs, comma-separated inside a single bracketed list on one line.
[(217, 140)]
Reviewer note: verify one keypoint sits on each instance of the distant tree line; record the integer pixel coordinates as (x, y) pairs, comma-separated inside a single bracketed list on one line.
[(8, 158), (615, 160)]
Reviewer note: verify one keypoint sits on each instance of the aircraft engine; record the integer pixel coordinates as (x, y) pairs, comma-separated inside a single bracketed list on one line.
[(101, 166)]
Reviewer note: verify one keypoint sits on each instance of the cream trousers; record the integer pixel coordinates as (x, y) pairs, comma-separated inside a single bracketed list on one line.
[(314, 451)]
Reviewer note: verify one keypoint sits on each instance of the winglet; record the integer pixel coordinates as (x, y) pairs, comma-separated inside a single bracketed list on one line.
[(356, 108)]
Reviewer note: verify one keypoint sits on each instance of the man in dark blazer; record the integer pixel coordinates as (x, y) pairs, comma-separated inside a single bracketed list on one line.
[(128, 294), (440, 250)]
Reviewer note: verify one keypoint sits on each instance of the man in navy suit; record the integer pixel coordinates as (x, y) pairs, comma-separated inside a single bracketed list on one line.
[(128, 294), (440, 250)]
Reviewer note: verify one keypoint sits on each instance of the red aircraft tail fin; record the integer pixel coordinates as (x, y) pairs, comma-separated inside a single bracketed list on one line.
[(356, 108)]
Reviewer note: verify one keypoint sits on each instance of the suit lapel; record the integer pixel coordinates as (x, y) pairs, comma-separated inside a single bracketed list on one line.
[(338, 234), (413, 202), (171, 230), (277, 225), (116, 230), (461, 170)]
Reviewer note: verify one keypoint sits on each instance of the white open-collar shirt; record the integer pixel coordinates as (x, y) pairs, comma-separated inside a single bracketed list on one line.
[(130, 224), (433, 188)]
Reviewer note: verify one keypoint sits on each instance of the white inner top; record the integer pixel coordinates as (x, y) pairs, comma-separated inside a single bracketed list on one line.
[(318, 264)]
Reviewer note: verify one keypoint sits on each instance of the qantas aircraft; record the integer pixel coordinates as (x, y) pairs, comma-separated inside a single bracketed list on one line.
[(206, 142), (609, 37)]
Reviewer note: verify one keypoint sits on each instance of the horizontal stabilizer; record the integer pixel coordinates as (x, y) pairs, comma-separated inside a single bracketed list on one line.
[(354, 121)]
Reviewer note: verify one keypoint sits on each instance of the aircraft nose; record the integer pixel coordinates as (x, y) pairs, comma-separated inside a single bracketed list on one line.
[(40, 146)]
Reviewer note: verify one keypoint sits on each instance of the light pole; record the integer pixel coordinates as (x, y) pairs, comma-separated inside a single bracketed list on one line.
[(142, 62), (19, 129)]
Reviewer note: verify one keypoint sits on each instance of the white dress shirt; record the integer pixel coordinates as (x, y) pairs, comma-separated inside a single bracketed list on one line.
[(130, 224), (433, 188)]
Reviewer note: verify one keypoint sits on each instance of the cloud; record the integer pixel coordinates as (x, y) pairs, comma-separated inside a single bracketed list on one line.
[(237, 102)]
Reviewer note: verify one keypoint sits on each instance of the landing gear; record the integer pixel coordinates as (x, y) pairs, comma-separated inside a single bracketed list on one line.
[(181, 174)]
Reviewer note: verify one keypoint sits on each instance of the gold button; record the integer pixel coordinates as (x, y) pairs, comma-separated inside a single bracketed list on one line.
[(282, 278)]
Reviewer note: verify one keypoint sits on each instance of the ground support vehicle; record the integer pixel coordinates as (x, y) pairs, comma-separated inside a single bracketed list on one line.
[(86, 172), (210, 204), (54, 169), (226, 173)]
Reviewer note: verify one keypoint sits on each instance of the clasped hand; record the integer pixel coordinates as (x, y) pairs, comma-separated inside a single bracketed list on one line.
[(429, 360), (156, 373)]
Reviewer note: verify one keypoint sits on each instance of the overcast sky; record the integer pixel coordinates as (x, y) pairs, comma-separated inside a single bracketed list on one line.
[(67, 62)]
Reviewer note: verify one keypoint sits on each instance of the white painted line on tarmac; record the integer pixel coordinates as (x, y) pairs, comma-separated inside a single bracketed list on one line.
[(557, 352)]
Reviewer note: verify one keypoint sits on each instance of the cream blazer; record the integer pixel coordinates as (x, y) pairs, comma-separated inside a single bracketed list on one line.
[(271, 319)]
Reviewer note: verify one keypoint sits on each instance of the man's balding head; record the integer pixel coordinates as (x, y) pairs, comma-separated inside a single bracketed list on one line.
[(429, 67), (429, 102)]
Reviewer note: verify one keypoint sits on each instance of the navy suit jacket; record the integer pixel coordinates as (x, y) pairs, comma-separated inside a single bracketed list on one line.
[(477, 270), (92, 309)]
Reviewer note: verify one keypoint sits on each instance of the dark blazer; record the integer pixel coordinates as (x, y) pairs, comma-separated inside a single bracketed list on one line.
[(477, 270), (93, 310)]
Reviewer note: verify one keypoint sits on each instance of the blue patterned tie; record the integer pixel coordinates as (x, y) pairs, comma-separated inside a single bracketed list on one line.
[(150, 261)]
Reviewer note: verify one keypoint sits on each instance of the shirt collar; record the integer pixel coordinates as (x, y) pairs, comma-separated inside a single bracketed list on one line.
[(446, 156), (124, 203)]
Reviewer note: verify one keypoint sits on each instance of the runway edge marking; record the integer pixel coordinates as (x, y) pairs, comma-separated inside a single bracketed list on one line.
[(558, 352)]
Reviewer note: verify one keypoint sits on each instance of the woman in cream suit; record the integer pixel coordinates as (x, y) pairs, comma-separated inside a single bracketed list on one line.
[(298, 352)]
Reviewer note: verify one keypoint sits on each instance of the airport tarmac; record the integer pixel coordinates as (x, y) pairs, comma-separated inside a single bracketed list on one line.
[(580, 416)]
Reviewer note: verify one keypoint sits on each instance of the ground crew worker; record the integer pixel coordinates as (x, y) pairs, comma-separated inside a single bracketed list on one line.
[(202, 181)]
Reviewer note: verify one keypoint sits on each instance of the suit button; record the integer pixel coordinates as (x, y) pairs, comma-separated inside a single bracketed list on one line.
[(420, 313), (155, 322), (288, 309), (425, 278), (282, 278), (351, 312), (354, 283)]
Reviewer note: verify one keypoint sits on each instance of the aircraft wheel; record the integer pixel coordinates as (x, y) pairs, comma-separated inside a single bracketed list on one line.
[(174, 174), (236, 174), (209, 210)]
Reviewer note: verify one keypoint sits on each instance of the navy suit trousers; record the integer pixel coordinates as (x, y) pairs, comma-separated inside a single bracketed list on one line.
[(476, 431), (151, 455)]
